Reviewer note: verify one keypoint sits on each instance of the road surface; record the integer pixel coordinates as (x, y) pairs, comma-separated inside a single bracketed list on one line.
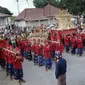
[(35, 75)]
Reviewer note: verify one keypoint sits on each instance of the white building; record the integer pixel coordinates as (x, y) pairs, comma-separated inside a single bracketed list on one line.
[(37, 16), (4, 20)]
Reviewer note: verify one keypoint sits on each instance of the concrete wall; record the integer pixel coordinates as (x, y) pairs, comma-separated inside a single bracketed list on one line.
[(20, 23), (4, 22), (35, 22)]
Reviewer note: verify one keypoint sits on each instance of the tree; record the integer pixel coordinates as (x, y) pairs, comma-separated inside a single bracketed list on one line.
[(12, 18), (43, 3), (5, 11), (54, 2), (76, 7), (40, 3)]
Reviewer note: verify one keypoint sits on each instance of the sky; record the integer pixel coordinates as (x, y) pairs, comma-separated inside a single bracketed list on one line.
[(12, 5)]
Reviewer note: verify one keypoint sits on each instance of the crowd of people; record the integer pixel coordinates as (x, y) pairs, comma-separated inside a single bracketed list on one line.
[(19, 48)]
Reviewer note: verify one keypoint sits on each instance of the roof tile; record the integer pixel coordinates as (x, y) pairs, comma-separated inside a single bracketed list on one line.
[(37, 13)]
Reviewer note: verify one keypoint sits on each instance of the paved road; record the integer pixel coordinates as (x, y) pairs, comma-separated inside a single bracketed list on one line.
[(35, 75)]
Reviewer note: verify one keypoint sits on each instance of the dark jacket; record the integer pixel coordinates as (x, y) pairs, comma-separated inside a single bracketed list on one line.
[(61, 66)]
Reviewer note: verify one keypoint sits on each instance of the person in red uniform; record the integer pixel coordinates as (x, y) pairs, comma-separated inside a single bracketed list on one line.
[(61, 48), (34, 52), (10, 60), (17, 49), (22, 47), (17, 65), (52, 49), (66, 42), (73, 44), (57, 37), (79, 45), (33, 46), (52, 46), (19, 43), (2, 60), (29, 50), (39, 50), (49, 36), (5, 54), (47, 56), (25, 50)]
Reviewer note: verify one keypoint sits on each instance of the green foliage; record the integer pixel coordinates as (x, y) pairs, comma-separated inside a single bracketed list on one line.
[(12, 18), (5, 11), (40, 3), (75, 7), (43, 3)]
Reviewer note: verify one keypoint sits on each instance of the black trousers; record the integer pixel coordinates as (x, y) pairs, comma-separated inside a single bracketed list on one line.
[(67, 48), (2, 63)]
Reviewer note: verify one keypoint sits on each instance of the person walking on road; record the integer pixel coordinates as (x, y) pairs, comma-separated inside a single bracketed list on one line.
[(60, 71)]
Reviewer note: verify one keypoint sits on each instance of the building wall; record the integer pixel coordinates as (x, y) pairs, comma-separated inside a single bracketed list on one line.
[(45, 22), (35, 22), (39, 22), (4, 22), (20, 23), (52, 20)]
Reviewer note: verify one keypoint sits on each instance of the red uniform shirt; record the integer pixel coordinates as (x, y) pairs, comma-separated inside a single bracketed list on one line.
[(52, 37), (1, 54), (57, 46), (39, 49), (61, 47), (18, 63), (17, 49), (25, 46), (28, 46), (34, 48), (73, 42), (10, 59), (79, 43), (52, 46), (47, 53), (57, 38), (22, 44), (19, 43), (5, 53), (66, 40)]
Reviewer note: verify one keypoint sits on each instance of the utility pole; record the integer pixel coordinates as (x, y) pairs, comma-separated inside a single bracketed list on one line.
[(29, 13), (27, 3), (18, 6)]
